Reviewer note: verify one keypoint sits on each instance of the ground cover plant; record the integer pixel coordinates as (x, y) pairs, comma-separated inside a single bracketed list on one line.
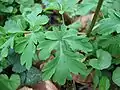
[(73, 43)]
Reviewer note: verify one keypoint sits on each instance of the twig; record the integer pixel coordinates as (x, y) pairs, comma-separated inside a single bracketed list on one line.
[(74, 86), (100, 2), (82, 88)]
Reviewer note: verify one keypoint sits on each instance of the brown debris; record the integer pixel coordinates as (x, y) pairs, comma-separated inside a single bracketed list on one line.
[(45, 85), (84, 20), (87, 80), (25, 88)]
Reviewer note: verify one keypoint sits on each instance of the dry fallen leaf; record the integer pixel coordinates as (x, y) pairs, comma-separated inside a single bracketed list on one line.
[(46, 85), (84, 20), (79, 79), (26, 88)]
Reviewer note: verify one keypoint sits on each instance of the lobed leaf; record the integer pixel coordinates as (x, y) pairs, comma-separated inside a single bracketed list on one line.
[(9, 84), (63, 41)]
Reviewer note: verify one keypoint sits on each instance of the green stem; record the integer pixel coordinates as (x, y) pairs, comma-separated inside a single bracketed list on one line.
[(95, 17), (62, 13)]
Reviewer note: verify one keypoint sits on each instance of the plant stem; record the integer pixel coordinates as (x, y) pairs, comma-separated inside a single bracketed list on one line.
[(100, 2), (74, 86), (63, 19), (62, 13)]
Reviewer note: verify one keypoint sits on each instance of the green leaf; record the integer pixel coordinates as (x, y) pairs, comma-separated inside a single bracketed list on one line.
[(116, 61), (18, 68), (20, 20), (12, 26), (27, 55), (37, 20), (69, 38), (53, 5), (4, 63), (2, 40), (66, 5), (35, 9), (33, 16), (110, 43), (9, 84), (2, 31), (71, 63), (116, 76), (75, 25), (103, 60), (25, 2), (7, 1), (5, 8), (108, 25), (80, 44), (13, 59), (61, 5), (33, 76), (1, 69), (115, 5), (62, 41), (49, 69), (20, 44), (104, 83), (4, 52), (46, 48), (29, 51), (96, 79), (85, 7), (8, 44), (30, 77)]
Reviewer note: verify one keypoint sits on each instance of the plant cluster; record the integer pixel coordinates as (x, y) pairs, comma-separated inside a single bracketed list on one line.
[(33, 31)]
